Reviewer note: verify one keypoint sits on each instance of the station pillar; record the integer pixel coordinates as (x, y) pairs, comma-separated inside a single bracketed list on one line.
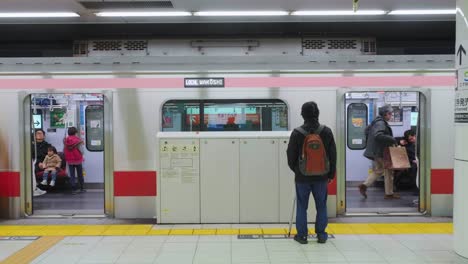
[(460, 210)]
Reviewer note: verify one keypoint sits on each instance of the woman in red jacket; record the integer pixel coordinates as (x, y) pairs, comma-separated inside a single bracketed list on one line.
[(74, 158)]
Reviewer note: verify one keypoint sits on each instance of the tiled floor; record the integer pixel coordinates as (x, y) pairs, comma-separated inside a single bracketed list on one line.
[(8, 247), (229, 249)]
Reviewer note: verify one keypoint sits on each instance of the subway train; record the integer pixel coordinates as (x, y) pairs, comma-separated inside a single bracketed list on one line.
[(145, 131)]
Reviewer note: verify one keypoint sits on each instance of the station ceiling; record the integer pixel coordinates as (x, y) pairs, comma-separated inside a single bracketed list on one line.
[(87, 9)]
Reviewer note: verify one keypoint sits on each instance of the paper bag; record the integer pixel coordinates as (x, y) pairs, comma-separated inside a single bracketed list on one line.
[(396, 158)]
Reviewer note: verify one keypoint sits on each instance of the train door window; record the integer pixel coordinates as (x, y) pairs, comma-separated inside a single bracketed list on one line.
[(56, 115), (225, 115), (361, 109)]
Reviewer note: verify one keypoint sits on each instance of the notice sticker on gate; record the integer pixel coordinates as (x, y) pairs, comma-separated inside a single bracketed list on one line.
[(461, 106)]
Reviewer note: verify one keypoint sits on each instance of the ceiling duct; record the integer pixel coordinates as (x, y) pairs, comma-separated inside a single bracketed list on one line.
[(125, 5)]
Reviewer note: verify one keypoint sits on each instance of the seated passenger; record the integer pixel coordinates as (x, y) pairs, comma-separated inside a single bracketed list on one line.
[(407, 178), (231, 125), (50, 164), (41, 147)]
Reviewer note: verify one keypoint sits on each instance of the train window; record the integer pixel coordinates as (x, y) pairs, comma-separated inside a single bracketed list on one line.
[(225, 115), (94, 115), (357, 123)]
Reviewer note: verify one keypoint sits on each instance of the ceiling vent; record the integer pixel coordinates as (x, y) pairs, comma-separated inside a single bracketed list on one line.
[(338, 46), (110, 48), (125, 5)]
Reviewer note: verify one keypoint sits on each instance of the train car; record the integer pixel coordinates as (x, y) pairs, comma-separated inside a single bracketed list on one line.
[(122, 114)]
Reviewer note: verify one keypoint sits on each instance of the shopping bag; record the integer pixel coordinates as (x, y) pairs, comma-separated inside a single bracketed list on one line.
[(396, 158)]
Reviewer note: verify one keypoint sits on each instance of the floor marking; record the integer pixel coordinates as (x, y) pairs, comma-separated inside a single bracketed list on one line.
[(33, 250), (151, 230)]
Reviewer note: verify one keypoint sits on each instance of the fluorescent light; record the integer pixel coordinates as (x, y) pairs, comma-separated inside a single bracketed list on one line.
[(143, 14), (424, 12), (241, 13), (38, 14), (339, 13)]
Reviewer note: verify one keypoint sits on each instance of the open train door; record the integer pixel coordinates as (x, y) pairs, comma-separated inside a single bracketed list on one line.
[(60, 191), (409, 115)]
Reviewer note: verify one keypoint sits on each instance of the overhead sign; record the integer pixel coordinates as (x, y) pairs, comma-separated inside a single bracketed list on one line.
[(37, 121), (461, 45), (461, 106), (204, 82), (461, 53)]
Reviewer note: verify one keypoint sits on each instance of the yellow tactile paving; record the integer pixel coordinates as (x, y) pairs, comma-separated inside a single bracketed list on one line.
[(250, 231), (407, 228), (275, 231), (204, 231), (141, 230), (227, 231), (385, 229), (341, 229), (33, 250), (362, 229), (158, 232), (181, 232), (435, 228)]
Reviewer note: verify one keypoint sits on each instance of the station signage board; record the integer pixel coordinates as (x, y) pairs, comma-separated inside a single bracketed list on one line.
[(461, 106), (204, 82)]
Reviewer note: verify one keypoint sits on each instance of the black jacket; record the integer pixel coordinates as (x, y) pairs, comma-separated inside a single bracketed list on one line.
[(295, 148), (380, 136)]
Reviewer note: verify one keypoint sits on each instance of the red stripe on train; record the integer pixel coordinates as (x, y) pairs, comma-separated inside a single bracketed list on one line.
[(10, 184), (442, 181), (134, 183), (332, 187)]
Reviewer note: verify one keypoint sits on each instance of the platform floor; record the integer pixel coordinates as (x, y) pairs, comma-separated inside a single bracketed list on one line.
[(394, 240), (220, 249)]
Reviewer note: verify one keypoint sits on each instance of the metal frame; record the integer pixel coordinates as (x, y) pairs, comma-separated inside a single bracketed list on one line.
[(424, 142), (174, 65), (25, 151)]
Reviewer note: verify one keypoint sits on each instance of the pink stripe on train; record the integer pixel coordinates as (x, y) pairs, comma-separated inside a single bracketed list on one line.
[(247, 82)]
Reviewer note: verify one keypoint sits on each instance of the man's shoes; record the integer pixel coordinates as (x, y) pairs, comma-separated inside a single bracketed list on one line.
[(301, 240), (321, 240), (392, 196), (362, 190)]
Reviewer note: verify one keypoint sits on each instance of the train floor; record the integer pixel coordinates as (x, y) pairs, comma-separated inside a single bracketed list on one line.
[(375, 202), (90, 202)]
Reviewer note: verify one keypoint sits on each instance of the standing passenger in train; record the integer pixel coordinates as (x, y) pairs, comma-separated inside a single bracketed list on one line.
[(316, 184), (380, 136), (74, 158)]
